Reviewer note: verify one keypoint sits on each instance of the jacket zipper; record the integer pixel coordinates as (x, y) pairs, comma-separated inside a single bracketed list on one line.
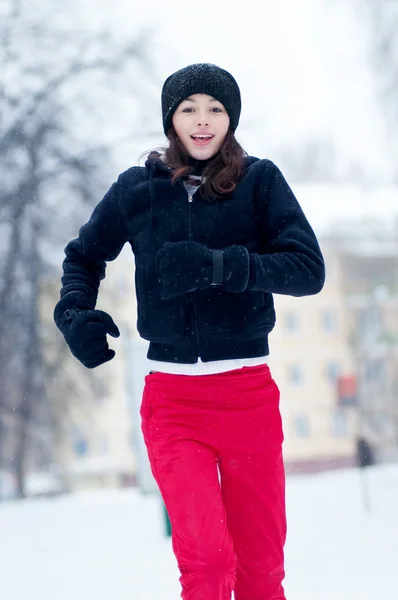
[(194, 297)]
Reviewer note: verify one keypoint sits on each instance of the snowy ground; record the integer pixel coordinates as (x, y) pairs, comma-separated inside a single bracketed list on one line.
[(109, 545)]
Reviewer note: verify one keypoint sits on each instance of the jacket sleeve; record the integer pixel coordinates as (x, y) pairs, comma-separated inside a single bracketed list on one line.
[(293, 263), (100, 240)]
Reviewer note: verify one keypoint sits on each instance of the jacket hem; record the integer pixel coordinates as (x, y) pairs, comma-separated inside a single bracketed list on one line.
[(211, 350)]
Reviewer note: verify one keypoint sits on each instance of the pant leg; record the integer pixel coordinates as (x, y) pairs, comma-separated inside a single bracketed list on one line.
[(253, 485), (181, 433)]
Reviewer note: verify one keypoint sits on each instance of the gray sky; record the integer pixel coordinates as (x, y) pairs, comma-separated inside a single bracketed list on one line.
[(300, 65)]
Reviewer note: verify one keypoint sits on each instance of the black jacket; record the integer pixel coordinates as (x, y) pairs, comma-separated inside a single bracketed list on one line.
[(146, 210)]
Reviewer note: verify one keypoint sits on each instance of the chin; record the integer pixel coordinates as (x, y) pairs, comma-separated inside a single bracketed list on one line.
[(202, 153)]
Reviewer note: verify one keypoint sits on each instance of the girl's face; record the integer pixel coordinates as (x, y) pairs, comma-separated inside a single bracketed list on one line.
[(201, 123)]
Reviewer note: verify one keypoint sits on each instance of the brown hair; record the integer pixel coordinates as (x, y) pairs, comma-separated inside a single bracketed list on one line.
[(220, 175)]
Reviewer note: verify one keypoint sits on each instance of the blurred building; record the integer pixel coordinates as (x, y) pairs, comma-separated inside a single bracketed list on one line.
[(370, 276), (309, 353)]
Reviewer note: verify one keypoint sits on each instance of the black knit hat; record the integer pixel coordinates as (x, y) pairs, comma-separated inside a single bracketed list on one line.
[(201, 78)]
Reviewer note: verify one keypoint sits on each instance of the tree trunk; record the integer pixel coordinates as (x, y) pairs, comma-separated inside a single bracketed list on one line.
[(31, 373)]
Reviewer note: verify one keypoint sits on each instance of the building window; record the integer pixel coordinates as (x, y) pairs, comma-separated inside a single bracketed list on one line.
[(292, 321), (333, 370), (329, 321), (78, 441), (369, 321), (296, 375), (339, 424), (374, 370), (383, 422), (302, 426)]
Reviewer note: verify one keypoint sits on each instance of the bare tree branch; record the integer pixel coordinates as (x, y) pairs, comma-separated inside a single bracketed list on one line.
[(48, 178)]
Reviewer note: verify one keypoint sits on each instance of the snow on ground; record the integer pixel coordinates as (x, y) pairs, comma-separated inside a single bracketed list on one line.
[(110, 544)]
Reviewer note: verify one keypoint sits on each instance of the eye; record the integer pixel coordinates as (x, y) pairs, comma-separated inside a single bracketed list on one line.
[(187, 110), (217, 109)]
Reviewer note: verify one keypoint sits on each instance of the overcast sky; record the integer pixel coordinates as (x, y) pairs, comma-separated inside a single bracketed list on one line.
[(301, 66)]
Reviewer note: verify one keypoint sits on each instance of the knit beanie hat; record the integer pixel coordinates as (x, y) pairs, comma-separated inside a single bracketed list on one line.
[(201, 78)]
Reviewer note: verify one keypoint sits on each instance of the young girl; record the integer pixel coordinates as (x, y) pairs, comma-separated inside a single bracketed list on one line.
[(214, 233)]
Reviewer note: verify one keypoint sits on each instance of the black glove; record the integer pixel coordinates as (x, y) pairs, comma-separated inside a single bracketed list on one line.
[(85, 333), (187, 266)]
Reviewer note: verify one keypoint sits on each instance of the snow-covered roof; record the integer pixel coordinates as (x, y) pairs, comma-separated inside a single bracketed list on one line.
[(334, 205)]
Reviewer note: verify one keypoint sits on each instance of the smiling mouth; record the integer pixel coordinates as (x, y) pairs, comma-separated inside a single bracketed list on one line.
[(202, 140)]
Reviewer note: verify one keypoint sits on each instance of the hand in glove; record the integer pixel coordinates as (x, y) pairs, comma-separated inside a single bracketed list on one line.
[(187, 266), (85, 333)]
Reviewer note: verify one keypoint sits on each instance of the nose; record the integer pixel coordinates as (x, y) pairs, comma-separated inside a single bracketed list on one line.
[(203, 120)]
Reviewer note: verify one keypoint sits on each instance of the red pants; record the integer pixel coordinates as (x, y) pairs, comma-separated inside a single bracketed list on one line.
[(215, 448)]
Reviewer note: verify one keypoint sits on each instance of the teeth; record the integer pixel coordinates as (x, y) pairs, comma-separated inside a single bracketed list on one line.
[(202, 137)]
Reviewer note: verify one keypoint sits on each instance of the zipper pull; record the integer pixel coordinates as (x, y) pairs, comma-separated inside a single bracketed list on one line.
[(190, 198)]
